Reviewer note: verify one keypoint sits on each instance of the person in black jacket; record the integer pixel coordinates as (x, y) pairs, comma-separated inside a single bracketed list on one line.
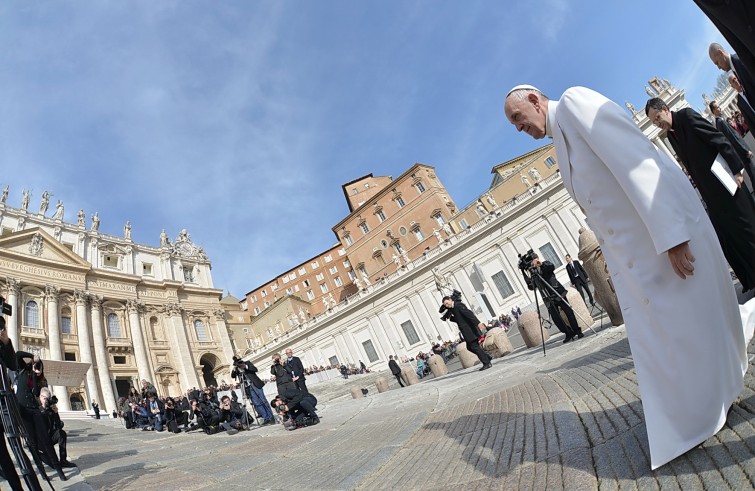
[(735, 139), (299, 404), (284, 378), (297, 370), (254, 387), (395, 370), (30, 379), (554, 298), (698, 143), (470, 328), (8, 358), (578, 277), (55, 425)]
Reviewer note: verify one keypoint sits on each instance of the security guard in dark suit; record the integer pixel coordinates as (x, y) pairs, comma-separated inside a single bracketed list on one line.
[(469, 326)]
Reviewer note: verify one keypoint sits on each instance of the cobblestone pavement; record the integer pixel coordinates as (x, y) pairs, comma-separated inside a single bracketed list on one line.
[(568, 420)]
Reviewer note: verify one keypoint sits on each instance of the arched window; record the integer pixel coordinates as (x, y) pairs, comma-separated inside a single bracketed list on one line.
[(113, 326), (32, 314), (200, 330), (65, 321)]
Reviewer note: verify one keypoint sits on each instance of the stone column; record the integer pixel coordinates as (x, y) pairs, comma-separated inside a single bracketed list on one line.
[(188, 375), (222, 332), (14, 285), (103, 370), (85, 349), (142, 363), (53, 333)]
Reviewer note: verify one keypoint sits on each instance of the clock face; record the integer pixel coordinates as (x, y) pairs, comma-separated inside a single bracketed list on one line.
[(185, 248)]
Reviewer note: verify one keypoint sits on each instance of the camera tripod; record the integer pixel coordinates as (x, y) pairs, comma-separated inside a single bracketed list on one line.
[(245, 398), (15, 434), (538, 281)]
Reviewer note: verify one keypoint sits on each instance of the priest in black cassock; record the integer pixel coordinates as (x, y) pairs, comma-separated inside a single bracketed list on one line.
[(697, 143)]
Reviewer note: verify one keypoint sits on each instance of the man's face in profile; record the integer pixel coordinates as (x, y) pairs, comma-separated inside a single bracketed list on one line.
[(527, 115)]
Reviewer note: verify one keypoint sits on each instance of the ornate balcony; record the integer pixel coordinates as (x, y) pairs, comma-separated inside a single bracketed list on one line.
[(33, 333)]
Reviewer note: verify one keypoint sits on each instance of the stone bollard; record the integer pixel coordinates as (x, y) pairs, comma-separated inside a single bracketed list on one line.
[(356, 393), (409, 376), (581, 312), (466, 357), (596, 268), (529, 328), (497, 343), (437, 365), (382, 384)]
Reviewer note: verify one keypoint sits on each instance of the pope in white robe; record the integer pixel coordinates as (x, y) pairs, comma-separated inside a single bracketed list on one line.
[(679, 305)]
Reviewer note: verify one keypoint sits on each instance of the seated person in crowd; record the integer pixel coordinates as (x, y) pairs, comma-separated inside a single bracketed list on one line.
[(232, 412), (174, 417), (204, 414), (49, 405), (140, 415), (124, 411), (156, 411)]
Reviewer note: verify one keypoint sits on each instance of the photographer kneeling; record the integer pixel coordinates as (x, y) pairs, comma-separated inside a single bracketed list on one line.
[(543, 278), (300, 405), (174, 417), (55, 425), (207, 419), (232, 415)]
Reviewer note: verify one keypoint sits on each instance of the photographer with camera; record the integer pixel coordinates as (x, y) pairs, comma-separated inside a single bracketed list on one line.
[(156, 411), (540, 274), (54, 425), (284, 377), (30, 379), (246, 372), (207, 418), (300, 405), (174, 417), (469, 325), (232, 415)]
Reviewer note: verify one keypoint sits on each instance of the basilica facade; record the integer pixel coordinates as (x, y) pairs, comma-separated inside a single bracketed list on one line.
[(131, 311)]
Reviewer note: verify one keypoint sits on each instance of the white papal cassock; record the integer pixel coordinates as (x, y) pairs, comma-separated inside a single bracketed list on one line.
[(686, 336)]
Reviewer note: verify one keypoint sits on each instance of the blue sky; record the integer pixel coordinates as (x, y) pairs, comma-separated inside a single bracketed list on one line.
[(240, 120)]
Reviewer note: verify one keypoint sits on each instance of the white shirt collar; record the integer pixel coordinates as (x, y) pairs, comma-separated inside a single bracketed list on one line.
[(550, 116)]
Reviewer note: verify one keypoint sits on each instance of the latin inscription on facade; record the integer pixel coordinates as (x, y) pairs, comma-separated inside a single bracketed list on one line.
[(39, 271), (109, 285)]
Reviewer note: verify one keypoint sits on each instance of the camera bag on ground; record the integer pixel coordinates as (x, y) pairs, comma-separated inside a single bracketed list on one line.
[(210, 430), (173, 426)]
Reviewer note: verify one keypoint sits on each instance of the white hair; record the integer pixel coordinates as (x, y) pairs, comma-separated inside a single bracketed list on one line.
[(45, 390), (520, 94)]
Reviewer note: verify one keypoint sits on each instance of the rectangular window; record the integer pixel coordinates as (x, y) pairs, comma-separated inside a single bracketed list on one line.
[(119, 360), (320, 276), (337, 280), (352, 275), (420, 187), (439, 218), (267, 304), (369, 350), (341, 251), (410, 332), (146, 269), (400, 202), (347, 239), (285, 279), (333, 270), (418, 234), (244, 306), (302, 271), (548, 253), (249, 343), (189, 274), (289, 291), (550, 162), (503, 285), (69, 356), (263, 293), (333, 360), (254, 298), (328, 258), (463, 223), (274, 287), (324, 288), (257, 311), (305, 283), (381, 215), (310, 295), (65, 325), (346, 264), (364, 227), (315, 265), (296, 288), (110, 261)]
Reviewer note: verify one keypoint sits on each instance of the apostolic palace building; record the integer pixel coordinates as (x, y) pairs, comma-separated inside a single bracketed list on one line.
[(132, 311)]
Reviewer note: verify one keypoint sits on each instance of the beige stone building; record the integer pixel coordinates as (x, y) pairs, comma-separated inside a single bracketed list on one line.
[(132, 311), (392, 221), (512, 180)]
